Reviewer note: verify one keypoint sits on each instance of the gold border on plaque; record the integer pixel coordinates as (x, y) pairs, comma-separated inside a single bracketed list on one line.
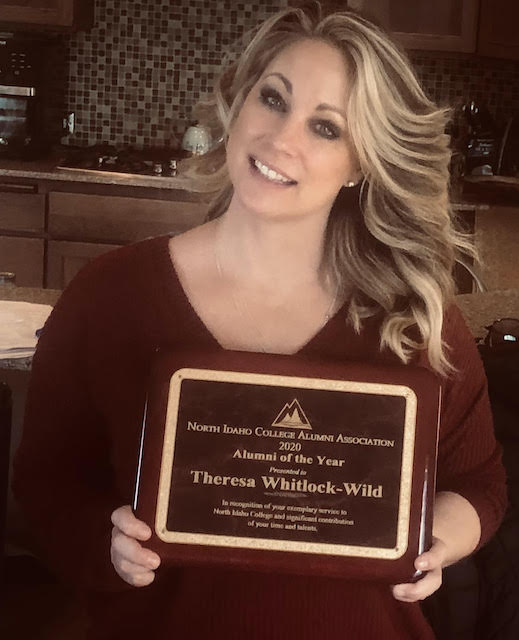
[(286, 545)]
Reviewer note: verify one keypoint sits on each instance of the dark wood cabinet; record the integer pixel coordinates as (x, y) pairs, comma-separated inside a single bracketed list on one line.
[(118, 219), (498, 35), (83, 226), (65, 259), (487, 27), (62, 14), (22, 212), (443, 25), (50, 229), (22, 225), (24, 258)]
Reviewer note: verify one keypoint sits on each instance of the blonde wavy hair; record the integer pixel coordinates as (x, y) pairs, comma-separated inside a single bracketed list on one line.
[(392, 249)]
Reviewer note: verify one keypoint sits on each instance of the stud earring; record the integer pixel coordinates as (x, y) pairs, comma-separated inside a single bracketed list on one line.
[(350, 184)]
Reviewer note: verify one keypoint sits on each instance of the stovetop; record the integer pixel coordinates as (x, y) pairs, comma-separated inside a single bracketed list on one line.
[(126, 160)]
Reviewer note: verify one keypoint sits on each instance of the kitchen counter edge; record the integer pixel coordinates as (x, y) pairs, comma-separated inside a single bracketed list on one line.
[(44, 171)]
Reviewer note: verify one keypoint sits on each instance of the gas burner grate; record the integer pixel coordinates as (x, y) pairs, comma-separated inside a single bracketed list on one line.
[(109, 159)]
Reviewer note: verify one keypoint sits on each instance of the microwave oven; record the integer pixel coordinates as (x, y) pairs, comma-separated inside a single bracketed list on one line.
[(22, 109)]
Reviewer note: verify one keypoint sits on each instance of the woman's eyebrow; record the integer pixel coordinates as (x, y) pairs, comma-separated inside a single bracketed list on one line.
[(284, 80), (328, 107)]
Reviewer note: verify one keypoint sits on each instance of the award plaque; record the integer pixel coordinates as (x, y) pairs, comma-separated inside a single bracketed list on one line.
[(289, 464)]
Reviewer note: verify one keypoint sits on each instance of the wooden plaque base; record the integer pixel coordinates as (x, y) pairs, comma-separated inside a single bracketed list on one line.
[(282, 463)]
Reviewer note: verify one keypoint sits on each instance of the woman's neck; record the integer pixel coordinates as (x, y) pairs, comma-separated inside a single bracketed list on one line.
[(270, 255)]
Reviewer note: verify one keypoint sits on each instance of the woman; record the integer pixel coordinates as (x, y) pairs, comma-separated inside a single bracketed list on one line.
[(290, 263)]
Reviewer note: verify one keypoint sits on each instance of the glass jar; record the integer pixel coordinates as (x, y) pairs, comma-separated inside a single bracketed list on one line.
[(7, 279)]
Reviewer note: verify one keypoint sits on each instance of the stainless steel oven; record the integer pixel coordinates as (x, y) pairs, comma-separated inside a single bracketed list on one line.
[(22, 130)]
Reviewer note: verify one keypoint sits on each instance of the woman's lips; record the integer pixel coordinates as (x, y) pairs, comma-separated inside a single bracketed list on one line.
[(270, 173)]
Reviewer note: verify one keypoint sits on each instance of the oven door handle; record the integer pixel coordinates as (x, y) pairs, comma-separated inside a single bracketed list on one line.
[(25, 92)]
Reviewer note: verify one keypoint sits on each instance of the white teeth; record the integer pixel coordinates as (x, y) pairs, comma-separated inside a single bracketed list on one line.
[(270, 173)]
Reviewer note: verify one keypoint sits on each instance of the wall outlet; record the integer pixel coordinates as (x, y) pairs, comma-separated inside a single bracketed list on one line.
[(69, 122)]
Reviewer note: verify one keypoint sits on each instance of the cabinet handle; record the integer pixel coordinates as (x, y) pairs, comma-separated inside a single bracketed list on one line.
[(13, 187)]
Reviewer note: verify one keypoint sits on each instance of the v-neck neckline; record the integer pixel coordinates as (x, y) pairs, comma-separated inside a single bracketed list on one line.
[(178, 294)]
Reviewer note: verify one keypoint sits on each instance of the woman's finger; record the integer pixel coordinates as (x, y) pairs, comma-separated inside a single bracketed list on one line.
[(137, 579), (412, 592), (129, 568), (129, 549), (124, 520), (433, 558)]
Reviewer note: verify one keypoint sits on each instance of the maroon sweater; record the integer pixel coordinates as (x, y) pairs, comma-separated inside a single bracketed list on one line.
[(78, 458)]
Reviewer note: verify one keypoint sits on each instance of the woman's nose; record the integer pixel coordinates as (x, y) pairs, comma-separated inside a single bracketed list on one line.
[(288, 135)]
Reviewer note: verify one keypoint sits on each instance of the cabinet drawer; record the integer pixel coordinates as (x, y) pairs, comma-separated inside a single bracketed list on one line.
[(76, 216), (22, 212), (65, 259), (23, 256)]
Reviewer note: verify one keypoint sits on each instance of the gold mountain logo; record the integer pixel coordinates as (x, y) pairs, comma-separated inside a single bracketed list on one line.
[(292, 416)]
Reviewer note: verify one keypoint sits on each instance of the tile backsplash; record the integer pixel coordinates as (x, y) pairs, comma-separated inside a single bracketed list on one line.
[(135, 76), (454, 79)]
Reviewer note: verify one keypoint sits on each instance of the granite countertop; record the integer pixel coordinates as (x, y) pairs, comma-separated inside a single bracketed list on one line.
[(26, 294), (45, 169), (29, 294), (482, 308), (20, 364)]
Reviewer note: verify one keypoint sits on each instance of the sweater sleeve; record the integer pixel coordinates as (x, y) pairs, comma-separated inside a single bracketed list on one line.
[(469, 459), (62, 472)]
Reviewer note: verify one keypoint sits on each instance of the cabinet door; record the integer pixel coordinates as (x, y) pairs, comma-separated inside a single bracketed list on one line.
[(22, 210), (499, 29), (443, 25), (65, 259), (24, 257), (121, 220), (58, 13)]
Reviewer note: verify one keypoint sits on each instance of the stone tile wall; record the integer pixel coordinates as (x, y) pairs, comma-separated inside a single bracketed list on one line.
[(133, 79)]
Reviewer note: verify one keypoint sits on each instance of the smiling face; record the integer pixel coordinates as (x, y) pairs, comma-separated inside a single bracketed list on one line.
[(289, 151)]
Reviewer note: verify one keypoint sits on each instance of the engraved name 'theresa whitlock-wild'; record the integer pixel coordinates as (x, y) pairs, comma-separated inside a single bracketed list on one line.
[(302, 485)]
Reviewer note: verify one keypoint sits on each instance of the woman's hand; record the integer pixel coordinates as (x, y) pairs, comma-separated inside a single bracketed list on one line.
[(135, 564), (431, 561), (456, 532)]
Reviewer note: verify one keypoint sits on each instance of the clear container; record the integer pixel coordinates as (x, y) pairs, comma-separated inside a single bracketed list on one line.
[(7, 279)]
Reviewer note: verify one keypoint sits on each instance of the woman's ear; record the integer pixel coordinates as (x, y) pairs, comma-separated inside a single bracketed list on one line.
[(354, 180)]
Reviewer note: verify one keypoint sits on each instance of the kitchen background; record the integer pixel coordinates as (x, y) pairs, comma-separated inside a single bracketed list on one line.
[(132, 79), (135, 76)]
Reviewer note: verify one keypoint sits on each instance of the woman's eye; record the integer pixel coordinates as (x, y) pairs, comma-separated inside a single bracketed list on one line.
[(327, 130), (272, 99)]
